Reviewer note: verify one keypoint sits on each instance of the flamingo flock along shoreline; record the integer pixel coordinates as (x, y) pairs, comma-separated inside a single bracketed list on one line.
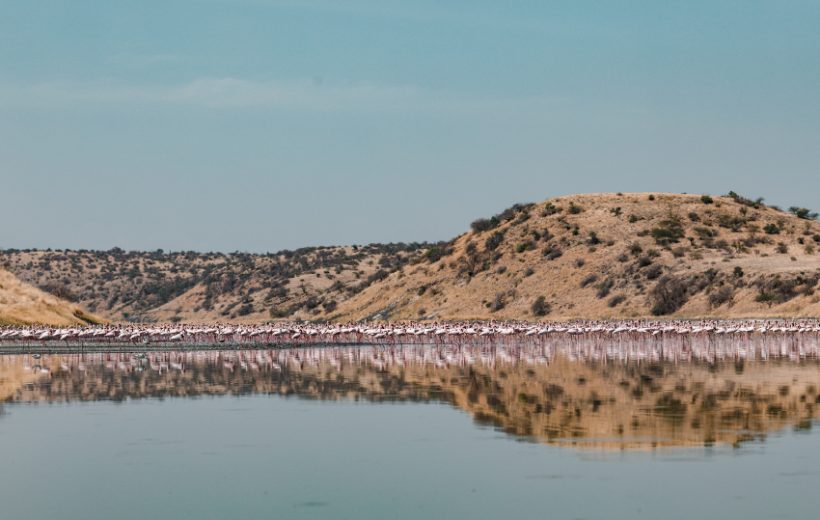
[(799, 335)]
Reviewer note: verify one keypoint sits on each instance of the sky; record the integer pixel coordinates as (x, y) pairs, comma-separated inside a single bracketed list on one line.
[(261, 125)]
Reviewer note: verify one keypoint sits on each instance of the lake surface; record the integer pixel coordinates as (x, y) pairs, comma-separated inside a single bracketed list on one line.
[(406, 433)]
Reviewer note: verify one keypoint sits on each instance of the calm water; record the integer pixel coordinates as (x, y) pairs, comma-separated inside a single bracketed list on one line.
[(406, 433)]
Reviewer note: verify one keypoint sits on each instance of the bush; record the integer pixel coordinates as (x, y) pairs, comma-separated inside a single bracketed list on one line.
[(721, 295), (498, 302), (771, 229), (540, 307), (668, 231), (435, 253), (668, 295), (776, 289), (616, 300), (653, 272), (551, 252), (589, 279), (523, 246), (550, 209), (744, 201), (494, 240), (803, 213), (706, 199), (593, 239), (483, 224), (574, 209), (782, 248), (604, 288)]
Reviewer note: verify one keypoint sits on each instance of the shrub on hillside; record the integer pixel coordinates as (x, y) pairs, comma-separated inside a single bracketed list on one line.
[(498, 302), (604, 288), (540, 307), (483, 224), (668, 295), (494, 240), (668, 231), (653, 271), (550, 209), (551, 252), (589, 279), (616, 300), (744, 201), (803, 213), (721, 295)]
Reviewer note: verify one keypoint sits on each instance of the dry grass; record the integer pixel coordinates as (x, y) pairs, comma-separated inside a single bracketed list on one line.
[(616, 238), (629, 243), (23, 304)]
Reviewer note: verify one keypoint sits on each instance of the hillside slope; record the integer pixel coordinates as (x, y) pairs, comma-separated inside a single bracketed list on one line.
[(22, 304), (612, 256), (205, 287), (583, 256)]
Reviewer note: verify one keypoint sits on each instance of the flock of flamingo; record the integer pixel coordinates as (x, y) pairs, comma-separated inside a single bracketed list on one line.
[(800, 336)]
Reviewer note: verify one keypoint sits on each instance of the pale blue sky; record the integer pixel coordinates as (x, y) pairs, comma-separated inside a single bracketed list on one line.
[(262, 124)]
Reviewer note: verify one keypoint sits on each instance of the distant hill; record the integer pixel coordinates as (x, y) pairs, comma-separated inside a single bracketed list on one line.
[(612, 256), (187, 286), (22, 304), (582, 256)]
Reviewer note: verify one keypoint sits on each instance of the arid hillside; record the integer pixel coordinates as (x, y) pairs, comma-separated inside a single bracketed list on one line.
[(189, 286), (22, 304), (584, 256), (612, 256)]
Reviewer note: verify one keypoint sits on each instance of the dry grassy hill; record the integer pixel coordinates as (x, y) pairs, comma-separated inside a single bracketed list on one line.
[(583, 256), (612, 256), (22, 304), (190, 286)]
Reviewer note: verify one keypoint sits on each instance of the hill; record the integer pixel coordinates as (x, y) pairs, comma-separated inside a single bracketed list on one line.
[(612, 256), (583, 256), (22, 304), (189, 286)]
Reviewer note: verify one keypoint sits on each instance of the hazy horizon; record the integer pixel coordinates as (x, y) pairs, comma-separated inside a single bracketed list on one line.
[(262, 125)]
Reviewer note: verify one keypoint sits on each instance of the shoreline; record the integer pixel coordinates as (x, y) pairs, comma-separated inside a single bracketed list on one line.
[(795, 336)]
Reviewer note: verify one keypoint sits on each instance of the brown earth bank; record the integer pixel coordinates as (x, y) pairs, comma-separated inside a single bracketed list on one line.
[(594, 256), (23, 304)]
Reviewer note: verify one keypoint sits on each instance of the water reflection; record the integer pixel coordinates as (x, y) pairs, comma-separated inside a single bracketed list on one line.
[(575, 397)]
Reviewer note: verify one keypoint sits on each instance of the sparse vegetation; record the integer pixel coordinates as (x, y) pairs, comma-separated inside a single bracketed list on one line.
[(605, 258), (668, 295), (668, 231), (540, 307), (803, 213)]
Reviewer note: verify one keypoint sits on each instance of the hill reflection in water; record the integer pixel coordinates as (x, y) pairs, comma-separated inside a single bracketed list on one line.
[(592, 398)]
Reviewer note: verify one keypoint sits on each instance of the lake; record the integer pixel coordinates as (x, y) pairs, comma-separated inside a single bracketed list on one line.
[(414, 432)]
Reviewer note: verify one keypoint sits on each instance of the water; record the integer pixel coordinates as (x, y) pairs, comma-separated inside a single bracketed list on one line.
[(432, 433)]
